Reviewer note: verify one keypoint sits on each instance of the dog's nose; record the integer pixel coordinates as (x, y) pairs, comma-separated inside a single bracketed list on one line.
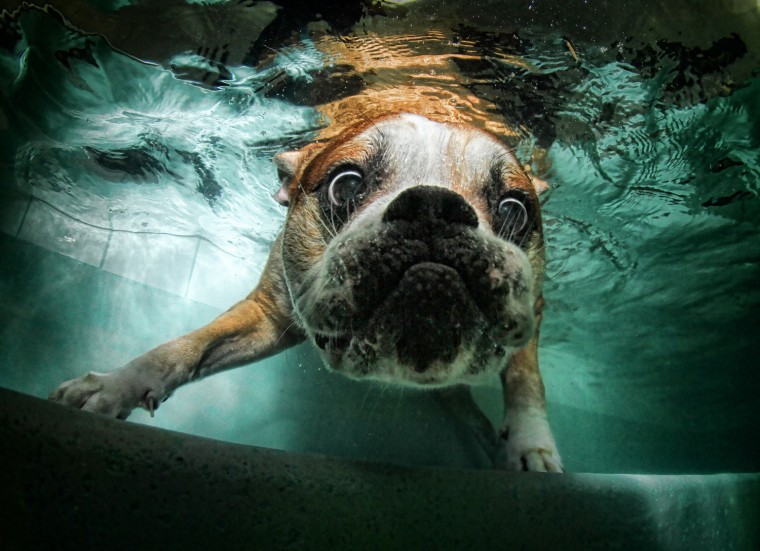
[(431, 204)]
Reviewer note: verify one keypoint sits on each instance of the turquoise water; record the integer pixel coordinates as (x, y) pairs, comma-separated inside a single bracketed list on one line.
[(651, 137)]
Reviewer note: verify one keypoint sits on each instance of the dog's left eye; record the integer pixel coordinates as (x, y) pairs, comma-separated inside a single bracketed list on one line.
[(514, 212), (513, 215), (345, 187)]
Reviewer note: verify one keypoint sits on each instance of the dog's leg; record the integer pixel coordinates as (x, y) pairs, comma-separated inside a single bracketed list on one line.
[(254, 328), (526, 440)]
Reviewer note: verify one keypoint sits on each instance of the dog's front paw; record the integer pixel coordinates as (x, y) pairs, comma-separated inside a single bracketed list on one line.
[(527, 443), (111, 394)]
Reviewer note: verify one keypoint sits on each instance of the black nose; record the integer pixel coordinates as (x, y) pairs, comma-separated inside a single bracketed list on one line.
[(431, 204)]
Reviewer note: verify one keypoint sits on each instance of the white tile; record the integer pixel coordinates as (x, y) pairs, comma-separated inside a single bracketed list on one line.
[(160, 261), (53, 230), (13, 206), (220, 279)]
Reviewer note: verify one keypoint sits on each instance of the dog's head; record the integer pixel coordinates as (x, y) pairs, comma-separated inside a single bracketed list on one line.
[(412, 250)]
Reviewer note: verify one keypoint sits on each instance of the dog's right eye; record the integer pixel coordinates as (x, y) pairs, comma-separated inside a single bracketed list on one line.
[(345, 187)]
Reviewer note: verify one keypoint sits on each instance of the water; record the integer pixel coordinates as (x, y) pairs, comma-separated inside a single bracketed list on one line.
[(125, 144), (643, 118)]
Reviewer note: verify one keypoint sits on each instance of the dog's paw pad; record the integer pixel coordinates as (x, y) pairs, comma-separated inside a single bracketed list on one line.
[(77, 392), (94, 392), (542, 461)]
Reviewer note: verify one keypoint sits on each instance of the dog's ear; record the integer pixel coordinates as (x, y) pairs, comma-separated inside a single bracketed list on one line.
[(539, 164), (538, 184), (289, 165)]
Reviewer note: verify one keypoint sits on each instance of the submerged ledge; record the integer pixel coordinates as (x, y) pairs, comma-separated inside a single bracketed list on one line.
[(71, 479)]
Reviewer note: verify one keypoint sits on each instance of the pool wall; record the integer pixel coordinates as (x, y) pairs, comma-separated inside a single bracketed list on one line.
[(76, 480)]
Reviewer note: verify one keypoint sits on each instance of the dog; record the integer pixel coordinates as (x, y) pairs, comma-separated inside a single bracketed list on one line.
[(412, 253)]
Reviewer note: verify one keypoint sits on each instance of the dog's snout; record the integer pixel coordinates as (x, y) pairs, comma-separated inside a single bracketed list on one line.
[(431, 203)]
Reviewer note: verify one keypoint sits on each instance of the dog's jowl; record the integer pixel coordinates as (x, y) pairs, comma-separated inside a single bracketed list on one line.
[(412, 253)]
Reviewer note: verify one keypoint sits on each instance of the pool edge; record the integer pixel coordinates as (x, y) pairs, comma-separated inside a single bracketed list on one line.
[(81, 480)]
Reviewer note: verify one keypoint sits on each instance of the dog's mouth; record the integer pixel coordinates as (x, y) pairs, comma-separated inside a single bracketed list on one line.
[(333, 342), (424, 318)]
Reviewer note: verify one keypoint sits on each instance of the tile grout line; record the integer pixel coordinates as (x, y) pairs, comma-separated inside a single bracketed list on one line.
[(192, 268), (105, 250), (23, 217)]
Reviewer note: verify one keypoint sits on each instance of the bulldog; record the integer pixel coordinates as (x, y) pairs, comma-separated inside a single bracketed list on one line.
[(412, 253)]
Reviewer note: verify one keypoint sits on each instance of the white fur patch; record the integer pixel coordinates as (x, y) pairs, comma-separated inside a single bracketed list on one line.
[(530, 443)]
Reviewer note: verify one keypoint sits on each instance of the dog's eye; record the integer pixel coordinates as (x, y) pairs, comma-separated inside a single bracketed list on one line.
[(514, 214), (346, 186)]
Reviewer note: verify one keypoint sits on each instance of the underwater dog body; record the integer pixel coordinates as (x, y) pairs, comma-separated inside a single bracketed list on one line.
[(412, 253)]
